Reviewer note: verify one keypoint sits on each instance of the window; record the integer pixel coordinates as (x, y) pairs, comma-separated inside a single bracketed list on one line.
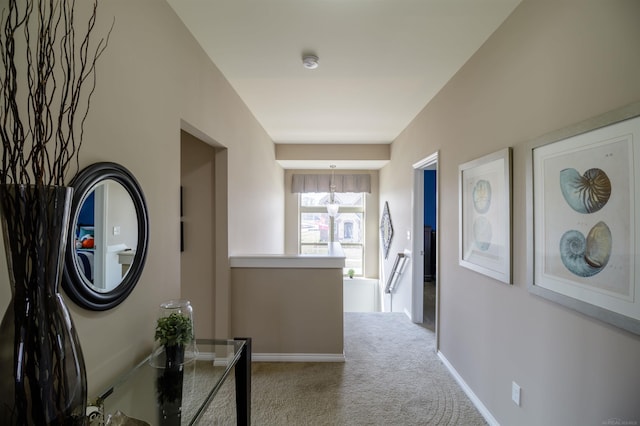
[(347, 227)]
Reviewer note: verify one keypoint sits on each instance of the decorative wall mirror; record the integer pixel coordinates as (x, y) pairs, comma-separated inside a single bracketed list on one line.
[(108, 237), (386, 230)]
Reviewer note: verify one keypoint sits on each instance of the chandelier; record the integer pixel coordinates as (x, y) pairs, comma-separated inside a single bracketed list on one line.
[(332, 206)]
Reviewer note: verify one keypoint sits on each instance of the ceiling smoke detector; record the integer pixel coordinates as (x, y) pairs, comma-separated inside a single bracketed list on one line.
[(310, 62)]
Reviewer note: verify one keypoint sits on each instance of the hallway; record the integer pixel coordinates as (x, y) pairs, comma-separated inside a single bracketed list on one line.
[(392, 375)]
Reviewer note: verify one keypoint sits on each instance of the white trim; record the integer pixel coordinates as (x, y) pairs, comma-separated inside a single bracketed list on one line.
[(285, 262), (417, 223), (407, 313), (271, 357), (207, 356), (417, 265), (417, 209), (427, 161), (334, 259), (484, 411)]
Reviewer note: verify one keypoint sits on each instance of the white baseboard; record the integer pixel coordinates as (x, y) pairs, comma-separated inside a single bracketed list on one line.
[(266, 357), (206, 356), (472, 396)]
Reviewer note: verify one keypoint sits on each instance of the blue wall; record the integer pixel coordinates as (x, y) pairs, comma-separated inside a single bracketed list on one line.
[(87, 211), (430, 198)]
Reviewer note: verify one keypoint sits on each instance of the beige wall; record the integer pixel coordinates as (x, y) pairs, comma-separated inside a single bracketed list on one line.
[(333, 152), (152, 81), (197, 261), (550, 65), (288, 310), (292, 219)]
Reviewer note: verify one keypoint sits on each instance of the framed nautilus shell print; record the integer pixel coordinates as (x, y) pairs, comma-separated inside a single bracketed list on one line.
[(485, 215), (585, 207)]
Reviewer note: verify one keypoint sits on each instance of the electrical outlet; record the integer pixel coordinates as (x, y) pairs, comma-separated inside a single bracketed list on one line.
[(515, 393)]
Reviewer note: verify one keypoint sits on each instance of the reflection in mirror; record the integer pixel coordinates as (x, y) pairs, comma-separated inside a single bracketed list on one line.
[(108, 237)]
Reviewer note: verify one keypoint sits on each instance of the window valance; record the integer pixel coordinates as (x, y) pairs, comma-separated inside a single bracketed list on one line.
[(321, 183)]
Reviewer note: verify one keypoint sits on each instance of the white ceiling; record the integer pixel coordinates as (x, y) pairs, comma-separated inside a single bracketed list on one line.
[(381, 61)]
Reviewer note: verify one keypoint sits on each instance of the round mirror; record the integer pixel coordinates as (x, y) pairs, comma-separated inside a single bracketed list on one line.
[(108, 237)]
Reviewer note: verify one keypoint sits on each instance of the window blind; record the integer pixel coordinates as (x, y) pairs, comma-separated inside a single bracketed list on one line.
[(322, 183)]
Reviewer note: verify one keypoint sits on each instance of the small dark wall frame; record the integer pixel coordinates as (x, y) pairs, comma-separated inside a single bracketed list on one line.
[(386, 230), (83, 184)]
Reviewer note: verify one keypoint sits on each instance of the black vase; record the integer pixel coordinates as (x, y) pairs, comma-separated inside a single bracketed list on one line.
[(169, 386), (41, 364)]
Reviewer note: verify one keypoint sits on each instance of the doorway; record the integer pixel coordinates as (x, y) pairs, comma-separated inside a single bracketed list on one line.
[(197, 229), (425, 244), (204, 270)]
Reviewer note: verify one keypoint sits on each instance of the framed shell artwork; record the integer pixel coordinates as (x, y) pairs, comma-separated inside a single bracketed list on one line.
[(485, 215), (585, 208)]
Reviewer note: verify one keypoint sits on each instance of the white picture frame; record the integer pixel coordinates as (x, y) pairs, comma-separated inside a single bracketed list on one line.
[(583, 191), (485, 215)]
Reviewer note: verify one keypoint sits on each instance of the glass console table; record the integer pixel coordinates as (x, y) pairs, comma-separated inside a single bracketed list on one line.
[(136, 393)]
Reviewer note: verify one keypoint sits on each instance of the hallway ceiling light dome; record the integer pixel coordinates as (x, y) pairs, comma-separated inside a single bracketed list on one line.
[(310, 62)]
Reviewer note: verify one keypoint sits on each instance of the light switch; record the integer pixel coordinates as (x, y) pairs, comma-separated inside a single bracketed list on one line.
[(116, 230), (515, 393)]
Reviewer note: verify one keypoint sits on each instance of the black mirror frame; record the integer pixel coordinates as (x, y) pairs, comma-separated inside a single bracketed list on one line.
[(72, 282)]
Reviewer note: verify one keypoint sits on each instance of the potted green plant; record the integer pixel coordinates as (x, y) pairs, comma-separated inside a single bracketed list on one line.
[(351, 273), (174, 332)]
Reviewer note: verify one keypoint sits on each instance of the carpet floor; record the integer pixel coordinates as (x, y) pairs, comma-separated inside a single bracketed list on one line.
[(391, 376)]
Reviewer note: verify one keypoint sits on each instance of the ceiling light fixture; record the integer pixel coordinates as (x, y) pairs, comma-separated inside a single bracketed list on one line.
[(310, 62)]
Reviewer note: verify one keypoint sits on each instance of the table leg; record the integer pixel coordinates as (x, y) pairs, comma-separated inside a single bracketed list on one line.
[(243, 384)]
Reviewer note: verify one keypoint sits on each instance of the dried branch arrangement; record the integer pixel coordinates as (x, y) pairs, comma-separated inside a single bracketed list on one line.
[(43, 72), (47, 78)]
